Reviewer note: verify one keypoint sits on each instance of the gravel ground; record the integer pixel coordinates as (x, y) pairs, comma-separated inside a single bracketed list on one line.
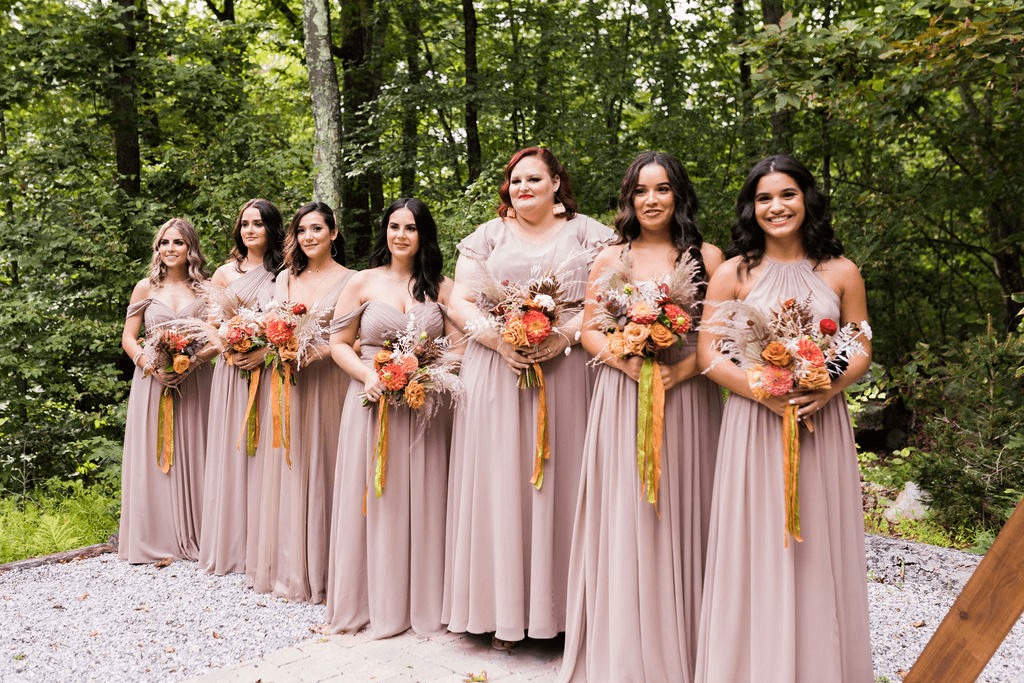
[(104, 620)]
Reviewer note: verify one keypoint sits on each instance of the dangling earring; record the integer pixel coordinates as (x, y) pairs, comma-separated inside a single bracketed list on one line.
[(558, 209), (334, 250), (511, 213)]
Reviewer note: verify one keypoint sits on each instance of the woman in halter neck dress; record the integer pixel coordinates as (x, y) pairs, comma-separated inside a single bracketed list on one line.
[(292, 531), (777, 612), (232, 477), (636, 571), (387, 565), (161, 513)]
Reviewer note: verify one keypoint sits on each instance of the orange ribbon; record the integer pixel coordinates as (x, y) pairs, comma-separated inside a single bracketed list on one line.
[(165, 433), (791, 470), (276, 392), (251, 420), (543, 448), (379, 474), (650, 426)]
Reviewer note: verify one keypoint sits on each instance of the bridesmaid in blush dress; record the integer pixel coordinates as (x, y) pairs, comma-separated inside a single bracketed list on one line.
[(507, 554), (774, 611), (293, 525), (161, 513), (387, 566), (635, 576), (232, 477)]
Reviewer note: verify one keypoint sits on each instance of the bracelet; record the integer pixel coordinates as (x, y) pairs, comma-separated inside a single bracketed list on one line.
[(135, 360)]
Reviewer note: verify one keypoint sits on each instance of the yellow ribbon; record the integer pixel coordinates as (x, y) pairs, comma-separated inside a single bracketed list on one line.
[(282, 436), (165, 433), (650, 426), (379, 474), (791, 470), (543, 448), (251, 421)]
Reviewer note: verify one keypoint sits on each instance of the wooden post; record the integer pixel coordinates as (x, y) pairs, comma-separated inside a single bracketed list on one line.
[(982, 615)]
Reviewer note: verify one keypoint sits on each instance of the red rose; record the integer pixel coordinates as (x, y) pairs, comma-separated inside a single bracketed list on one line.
[(827, 326), (299, 309)]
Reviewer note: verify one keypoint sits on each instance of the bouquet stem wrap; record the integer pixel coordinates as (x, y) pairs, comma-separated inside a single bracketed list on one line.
[(165, 434), (379, 464), (791, 470), (251, 421), (281, 388), (543, 448), (649, 425)]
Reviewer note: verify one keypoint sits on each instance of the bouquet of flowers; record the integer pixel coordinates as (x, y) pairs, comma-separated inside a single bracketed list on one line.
[(244, 332), (415, 369), (784, 350), (641, 318), (292, 331), (525, 314), (172, 348)]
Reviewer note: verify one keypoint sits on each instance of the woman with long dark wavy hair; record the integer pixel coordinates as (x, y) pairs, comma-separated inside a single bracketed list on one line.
[(777, 608), (507, 558), (292, 532), (161, 511), (231, 493), (387, 565), (637, 568)]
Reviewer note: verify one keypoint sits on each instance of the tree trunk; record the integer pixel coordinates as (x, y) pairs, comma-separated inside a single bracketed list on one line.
[(124, 109), (410, 112), (323, 90), (358, 89), (782, 121), (474, 157), (227, 14)]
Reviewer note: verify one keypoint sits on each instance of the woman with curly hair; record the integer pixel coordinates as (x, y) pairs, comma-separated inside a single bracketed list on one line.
[(292, 529), (637, 568), (777, 608), (232, 490), (161, 498)]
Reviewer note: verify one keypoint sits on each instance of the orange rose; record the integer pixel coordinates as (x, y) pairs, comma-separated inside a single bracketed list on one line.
[(380, 358), (662, 336), (244, 345), (181, 364), (776, 354), (415, 395), (616, 344), (290, 351), (815, 378), (635, 336), (515, 333)]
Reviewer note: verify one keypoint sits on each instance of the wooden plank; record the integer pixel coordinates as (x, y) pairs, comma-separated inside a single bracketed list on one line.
[(56, 558), (982, 614)]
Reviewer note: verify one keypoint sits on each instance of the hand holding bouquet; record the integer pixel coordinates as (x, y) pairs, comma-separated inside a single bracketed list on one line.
[(640, 319), (784, 351), (414, 370)]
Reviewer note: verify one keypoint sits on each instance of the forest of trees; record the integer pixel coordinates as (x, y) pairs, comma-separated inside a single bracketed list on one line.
[(117, 114)]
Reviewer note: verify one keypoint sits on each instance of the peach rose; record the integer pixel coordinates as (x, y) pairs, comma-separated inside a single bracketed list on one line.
[(776, 354), (616, 344), (243, 345), (635, 336), (642, 312), (815, 379), (290, 351), (754, 382), (662, 336), (380, 358), (181, 364), (515, 333)]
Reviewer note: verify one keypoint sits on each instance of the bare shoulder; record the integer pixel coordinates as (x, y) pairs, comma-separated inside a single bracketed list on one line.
[(607, 256), (725, 282), (444, 290), (143, 290), (712, 256), (841, 273)]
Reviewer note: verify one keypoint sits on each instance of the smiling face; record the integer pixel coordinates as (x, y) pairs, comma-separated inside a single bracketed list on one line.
[(172, 248), (532, 187), (779, 206), (252, 230), (653, 199), (403, 237), (314, 237)]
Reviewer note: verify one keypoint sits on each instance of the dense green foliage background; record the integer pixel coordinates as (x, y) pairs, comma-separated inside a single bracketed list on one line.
[(908, 112)]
